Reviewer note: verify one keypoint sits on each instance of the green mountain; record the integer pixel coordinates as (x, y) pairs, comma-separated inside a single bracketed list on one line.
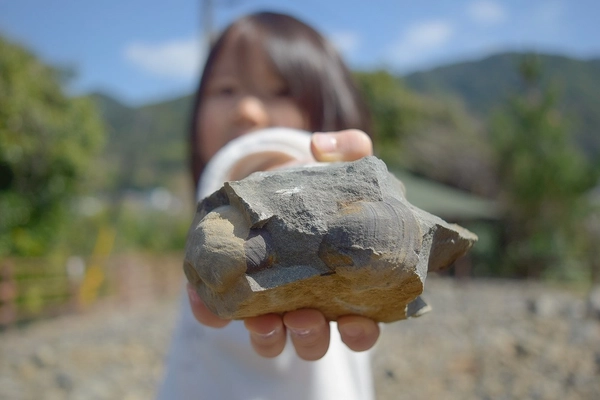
[(484, 84), (146, 145)]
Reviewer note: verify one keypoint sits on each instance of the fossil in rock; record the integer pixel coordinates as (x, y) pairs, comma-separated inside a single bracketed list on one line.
[(338, 237)]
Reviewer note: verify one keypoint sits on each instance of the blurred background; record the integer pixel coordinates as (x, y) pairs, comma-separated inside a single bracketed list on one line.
[(488, 110)]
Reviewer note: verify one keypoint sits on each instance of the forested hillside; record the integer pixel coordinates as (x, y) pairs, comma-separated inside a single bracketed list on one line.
[(484, 84), (146, 145)]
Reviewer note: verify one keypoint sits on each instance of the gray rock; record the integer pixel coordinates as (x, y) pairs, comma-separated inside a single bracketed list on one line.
[(545, 306), (593, 302), (340, 237), (45, 356), (64, 381)]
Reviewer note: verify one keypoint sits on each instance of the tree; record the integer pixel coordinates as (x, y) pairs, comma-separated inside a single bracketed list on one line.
[(394, 110), (543, 181), (429, 136), (48, 142)]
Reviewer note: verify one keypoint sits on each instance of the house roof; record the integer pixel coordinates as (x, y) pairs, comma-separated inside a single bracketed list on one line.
[(446, 202)]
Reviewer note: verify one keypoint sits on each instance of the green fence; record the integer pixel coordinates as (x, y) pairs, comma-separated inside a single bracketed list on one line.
[(36, 288)]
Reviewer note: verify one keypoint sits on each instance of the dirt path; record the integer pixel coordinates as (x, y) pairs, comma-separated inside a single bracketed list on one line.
[(484, 340)]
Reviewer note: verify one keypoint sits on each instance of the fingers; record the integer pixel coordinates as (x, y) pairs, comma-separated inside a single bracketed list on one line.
[(202, 313), (267, 334), (309, 332), (358, 333), (347, 145), (308, 328)]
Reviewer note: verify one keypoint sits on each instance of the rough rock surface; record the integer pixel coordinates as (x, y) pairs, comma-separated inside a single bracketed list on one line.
[(338, 237)]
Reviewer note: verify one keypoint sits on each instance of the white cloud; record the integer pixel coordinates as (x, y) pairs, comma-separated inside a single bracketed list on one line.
[(486, 12), (420, 40), (429, 34), (346, 42), (180, 59)]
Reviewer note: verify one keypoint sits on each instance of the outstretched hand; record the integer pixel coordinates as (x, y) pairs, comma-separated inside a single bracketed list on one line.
[(308, 328)]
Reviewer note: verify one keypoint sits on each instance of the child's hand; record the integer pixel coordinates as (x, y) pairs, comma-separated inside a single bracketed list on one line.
[(308, 328)]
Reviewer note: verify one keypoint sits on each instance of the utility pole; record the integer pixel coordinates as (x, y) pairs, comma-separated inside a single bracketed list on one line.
[(207, 22), (208, 7)]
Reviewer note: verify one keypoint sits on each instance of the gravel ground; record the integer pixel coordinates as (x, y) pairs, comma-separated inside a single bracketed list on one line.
[(483, 340)]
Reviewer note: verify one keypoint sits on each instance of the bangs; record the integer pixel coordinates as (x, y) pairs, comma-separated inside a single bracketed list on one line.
[(305, 62), (314, 72), (301, 66)]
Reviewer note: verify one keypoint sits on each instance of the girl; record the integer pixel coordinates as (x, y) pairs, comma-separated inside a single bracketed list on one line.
[(268, 70)]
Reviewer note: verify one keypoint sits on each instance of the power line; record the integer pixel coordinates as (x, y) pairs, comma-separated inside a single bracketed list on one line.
[(207, 17)]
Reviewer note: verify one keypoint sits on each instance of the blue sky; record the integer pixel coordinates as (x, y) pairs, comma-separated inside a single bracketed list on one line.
[(142, 51)]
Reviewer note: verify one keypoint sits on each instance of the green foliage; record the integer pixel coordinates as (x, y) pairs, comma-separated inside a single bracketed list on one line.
[(543, 181), (391, 107), (151, 230), (47, 144)]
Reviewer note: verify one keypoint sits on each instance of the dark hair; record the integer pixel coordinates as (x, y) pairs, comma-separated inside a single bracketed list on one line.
[(317, 78)]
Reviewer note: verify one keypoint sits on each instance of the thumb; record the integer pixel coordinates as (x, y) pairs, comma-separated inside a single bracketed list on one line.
[(346, 145)]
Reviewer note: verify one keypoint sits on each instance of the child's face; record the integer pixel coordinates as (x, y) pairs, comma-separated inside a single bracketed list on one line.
[(244, 94)]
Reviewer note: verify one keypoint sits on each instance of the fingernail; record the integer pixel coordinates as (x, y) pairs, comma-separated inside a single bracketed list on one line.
[(326, 143), (194, 298), (353, 330), (267, 335), (300, 332)]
